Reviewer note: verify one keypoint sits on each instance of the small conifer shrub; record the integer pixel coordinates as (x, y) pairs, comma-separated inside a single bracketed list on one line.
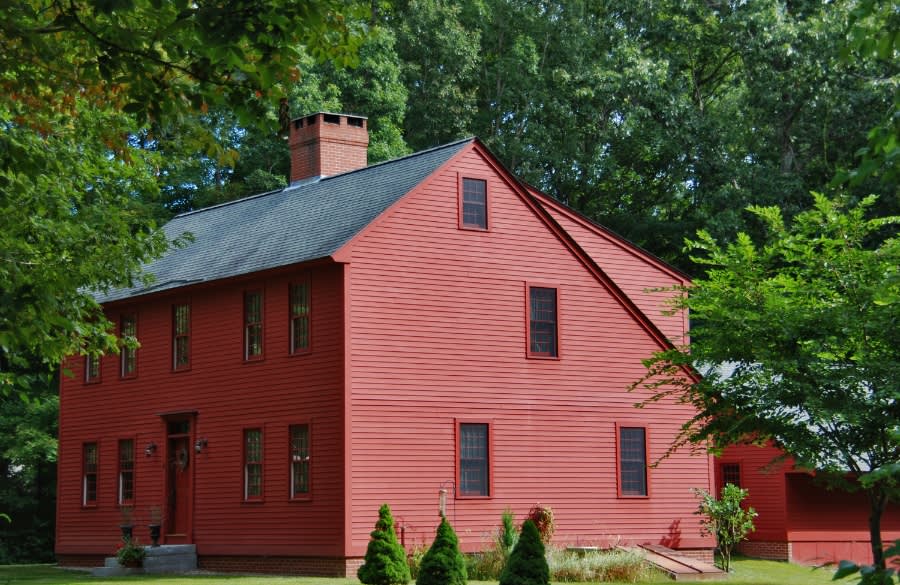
[(527, 564), (385, 562), (443, 564)]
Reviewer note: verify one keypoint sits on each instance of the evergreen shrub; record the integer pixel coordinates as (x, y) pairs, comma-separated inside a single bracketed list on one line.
[(443, 564), (527, 564), (385, 561)]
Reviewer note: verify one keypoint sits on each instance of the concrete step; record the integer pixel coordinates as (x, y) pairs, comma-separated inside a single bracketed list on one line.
[(168, 558)]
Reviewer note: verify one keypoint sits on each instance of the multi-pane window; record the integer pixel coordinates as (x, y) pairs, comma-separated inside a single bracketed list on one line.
[(89, 474), (474, 478), (253, 325), (299, 461), (633, 461), (128, 355), (474, 204), (181, 337), (91, 369), (253, 464), (300, 337), (542, 322), (126, 471), (730, 473)]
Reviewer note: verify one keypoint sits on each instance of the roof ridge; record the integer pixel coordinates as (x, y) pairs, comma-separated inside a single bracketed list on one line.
[(330, 177)]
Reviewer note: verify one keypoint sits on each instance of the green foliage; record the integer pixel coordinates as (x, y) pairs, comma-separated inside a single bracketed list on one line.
[(542, 516), (799, 338), (869, 573), (600, 566), (385, 561), (726, 519), (508, 535), (130, 553), (443, 564), (527, 564)]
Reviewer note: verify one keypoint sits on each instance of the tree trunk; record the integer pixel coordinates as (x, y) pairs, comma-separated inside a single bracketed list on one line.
[(877, 501)]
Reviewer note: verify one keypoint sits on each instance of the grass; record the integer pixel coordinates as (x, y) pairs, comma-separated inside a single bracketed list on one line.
[(746, 572)]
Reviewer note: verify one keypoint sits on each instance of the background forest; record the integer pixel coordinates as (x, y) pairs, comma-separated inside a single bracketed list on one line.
[(653, 117)]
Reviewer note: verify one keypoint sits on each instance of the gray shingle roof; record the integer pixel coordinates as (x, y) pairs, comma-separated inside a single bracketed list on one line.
[(297, 224)]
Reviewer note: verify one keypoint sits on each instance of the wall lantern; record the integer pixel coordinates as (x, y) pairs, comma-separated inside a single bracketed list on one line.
[(150, 449), (200, 444)]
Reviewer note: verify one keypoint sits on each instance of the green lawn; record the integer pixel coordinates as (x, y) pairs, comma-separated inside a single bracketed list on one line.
[(747, 572)]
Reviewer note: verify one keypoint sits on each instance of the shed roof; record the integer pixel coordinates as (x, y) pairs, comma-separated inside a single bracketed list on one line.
[(297, 224)]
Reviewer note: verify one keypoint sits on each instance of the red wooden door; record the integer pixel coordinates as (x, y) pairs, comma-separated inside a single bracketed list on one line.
[(178, 482)]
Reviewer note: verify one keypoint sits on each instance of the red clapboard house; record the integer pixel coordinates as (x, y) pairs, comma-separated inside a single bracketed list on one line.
[(420, 330), (800, 520)]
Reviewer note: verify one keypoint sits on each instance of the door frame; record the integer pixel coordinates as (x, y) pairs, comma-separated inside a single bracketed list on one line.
[(185, 536)]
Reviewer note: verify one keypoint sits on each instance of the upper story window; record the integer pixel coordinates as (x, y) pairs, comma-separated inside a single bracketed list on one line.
[(474, 459), (473, 209), (300, 461), (126, 472), (91, 369), (543, 334), (300, 317), (253, 464), (181, 337), (128, 355), (253, 325), (89, 474), (633, 461)]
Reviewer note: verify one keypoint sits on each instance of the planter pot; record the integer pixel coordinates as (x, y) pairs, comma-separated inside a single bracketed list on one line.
[(154, 534), (127, 531)]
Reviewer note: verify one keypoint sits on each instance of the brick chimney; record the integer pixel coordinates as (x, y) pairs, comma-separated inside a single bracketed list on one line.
[(326, 144)]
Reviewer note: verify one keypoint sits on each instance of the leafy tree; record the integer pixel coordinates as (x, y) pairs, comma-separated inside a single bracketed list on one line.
[(443, 564), (385, 561), (527, 564), (800, 338), (81, 83), (726, 519)]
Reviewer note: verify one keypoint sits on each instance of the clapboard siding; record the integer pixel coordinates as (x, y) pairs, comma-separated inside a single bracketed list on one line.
[(438, 325), (228, 395)]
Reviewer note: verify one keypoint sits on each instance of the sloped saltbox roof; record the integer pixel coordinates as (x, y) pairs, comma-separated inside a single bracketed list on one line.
[(297, 224)]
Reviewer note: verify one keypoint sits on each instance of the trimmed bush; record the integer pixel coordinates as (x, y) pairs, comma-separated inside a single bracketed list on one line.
[(385, 562), (443, 564), (527, 564)]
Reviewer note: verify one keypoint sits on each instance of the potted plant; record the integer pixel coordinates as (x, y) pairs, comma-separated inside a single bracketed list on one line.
[(126, 525), (130, 553), (155, 524)]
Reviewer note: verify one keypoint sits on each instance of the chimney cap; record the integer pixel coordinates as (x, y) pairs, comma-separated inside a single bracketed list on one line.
[(301, 121)]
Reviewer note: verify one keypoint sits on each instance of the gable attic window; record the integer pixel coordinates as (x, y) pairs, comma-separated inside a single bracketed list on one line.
[(91, 369), (181, 337), (632, 451), (128, 355), (299, 317), (473, 211), (543, 321), (253, 326)]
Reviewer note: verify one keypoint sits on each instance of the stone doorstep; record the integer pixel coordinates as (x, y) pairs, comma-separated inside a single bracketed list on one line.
[(168, 558)]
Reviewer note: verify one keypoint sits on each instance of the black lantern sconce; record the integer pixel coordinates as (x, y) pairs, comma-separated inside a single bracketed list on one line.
[(150, 449), (200, 444)]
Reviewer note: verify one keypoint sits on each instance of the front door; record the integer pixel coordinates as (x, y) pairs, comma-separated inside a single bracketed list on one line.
[(178, 483)]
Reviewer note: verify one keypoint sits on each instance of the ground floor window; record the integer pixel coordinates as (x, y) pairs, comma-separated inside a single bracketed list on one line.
[(89, 474), (253, 464), (474, 459), (300, 461), (126, 472)]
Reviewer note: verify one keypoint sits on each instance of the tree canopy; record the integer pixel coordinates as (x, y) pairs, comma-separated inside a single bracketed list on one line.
[(799, 340)]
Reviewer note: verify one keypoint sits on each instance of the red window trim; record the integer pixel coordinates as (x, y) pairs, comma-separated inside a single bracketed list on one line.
[(487, 201), (720, 474), (304, 497), (306, 281), (123, 502), (85, 503), (122, 354), (88, 379), (186, 367), (536, 355), (490, 458), (261, 323), (629, 425), (245, 498)]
